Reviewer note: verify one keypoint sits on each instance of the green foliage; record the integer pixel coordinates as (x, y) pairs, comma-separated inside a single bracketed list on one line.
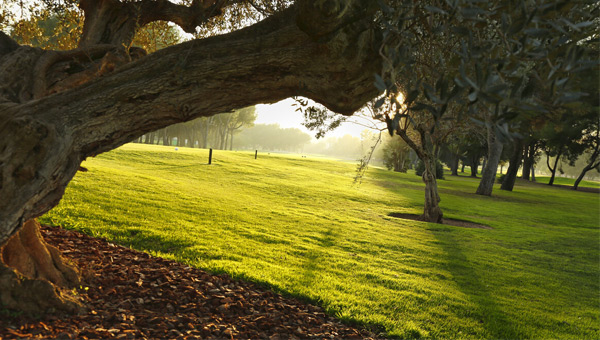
[(396, 154), (439, 169), (300, 226)]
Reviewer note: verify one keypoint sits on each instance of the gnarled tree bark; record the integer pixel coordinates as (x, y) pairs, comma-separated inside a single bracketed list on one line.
[(57, 108), (488, 175)]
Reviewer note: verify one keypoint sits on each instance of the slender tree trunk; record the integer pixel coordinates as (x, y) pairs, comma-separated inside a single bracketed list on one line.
[(165, 137), (513, 167), (431, 211), (192, 138), (580, 177), (533, 172), (474, 166), (206, 131), (462, 169), (484, 164), (488, 176), (501, 168), (553, 169), (231, 141), (528, 160), (590, 166)]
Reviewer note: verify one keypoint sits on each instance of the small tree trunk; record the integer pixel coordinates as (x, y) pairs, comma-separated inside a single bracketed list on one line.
[(488, 176), (587, 168), (533, 173), (30, 272), (528, 160), (454, 165), (462, 169), (513, 167), (580, 177), (474, 166), (484, 164), (553, 169), (432, 211)]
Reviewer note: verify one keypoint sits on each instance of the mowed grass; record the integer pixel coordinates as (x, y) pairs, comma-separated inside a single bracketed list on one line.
[(300, 226), (568, 181)]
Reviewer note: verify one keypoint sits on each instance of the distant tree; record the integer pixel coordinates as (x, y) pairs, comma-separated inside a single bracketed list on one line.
[(561, 140), (272, 137), (591, 142), (396, 154), (241, 118)]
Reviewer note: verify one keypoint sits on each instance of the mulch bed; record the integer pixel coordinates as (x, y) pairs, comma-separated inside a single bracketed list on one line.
[(446, 221), (132, 295)]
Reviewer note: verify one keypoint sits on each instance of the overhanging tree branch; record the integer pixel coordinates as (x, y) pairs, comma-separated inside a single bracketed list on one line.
[(45, 140)]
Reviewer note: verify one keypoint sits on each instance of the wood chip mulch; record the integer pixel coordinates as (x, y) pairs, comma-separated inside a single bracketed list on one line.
[(132, 295)]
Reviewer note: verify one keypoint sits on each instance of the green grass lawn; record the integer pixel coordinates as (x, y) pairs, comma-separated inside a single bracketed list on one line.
[(568, 181), (301, 226)]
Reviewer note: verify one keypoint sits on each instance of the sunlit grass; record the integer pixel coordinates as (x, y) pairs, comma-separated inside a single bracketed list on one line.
[(301, 226), (568, 181)]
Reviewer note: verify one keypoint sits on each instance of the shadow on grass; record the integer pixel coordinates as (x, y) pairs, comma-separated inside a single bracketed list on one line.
[(313, 257), (146, 240), (493, 318)]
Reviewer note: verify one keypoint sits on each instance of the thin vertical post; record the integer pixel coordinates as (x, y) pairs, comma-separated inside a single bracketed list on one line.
[(210, 156), (255, 154)]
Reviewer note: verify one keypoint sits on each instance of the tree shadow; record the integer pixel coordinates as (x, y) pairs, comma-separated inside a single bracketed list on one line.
[(145, 240), (313, 257), (494, 320)]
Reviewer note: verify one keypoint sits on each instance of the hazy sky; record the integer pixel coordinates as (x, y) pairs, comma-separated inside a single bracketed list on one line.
[(284, 114)]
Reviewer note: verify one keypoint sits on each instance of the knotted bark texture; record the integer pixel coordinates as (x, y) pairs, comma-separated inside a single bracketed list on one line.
[(31, 273)]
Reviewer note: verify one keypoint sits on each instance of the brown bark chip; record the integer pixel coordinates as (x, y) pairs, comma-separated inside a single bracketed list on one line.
[(132, 295)]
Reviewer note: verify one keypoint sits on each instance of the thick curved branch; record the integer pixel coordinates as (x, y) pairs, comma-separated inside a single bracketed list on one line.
[(115, 22), (186, 17), (45, 140)]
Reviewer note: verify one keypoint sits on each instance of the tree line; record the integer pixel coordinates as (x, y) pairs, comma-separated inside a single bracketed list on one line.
[(215, 132)]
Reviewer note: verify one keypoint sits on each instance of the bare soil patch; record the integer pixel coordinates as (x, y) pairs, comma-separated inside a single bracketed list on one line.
[(446, 221), (132, 295)]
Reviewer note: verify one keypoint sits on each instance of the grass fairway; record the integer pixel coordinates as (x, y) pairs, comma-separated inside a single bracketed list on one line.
[(568, 181), (301, 226)]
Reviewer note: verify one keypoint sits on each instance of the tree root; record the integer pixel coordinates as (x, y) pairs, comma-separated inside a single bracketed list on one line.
[(31, 273)]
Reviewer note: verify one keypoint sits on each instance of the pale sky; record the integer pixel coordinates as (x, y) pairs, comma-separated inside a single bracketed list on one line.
[(284, 114)]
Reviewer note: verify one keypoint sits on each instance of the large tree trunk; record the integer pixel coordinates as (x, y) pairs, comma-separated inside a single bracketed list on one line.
[(454, 165), (307, 50), (53, 117), (513, 167), (31, 273), (488, 176)]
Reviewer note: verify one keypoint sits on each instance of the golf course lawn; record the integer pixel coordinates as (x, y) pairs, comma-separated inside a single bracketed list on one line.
[(304, 228)]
